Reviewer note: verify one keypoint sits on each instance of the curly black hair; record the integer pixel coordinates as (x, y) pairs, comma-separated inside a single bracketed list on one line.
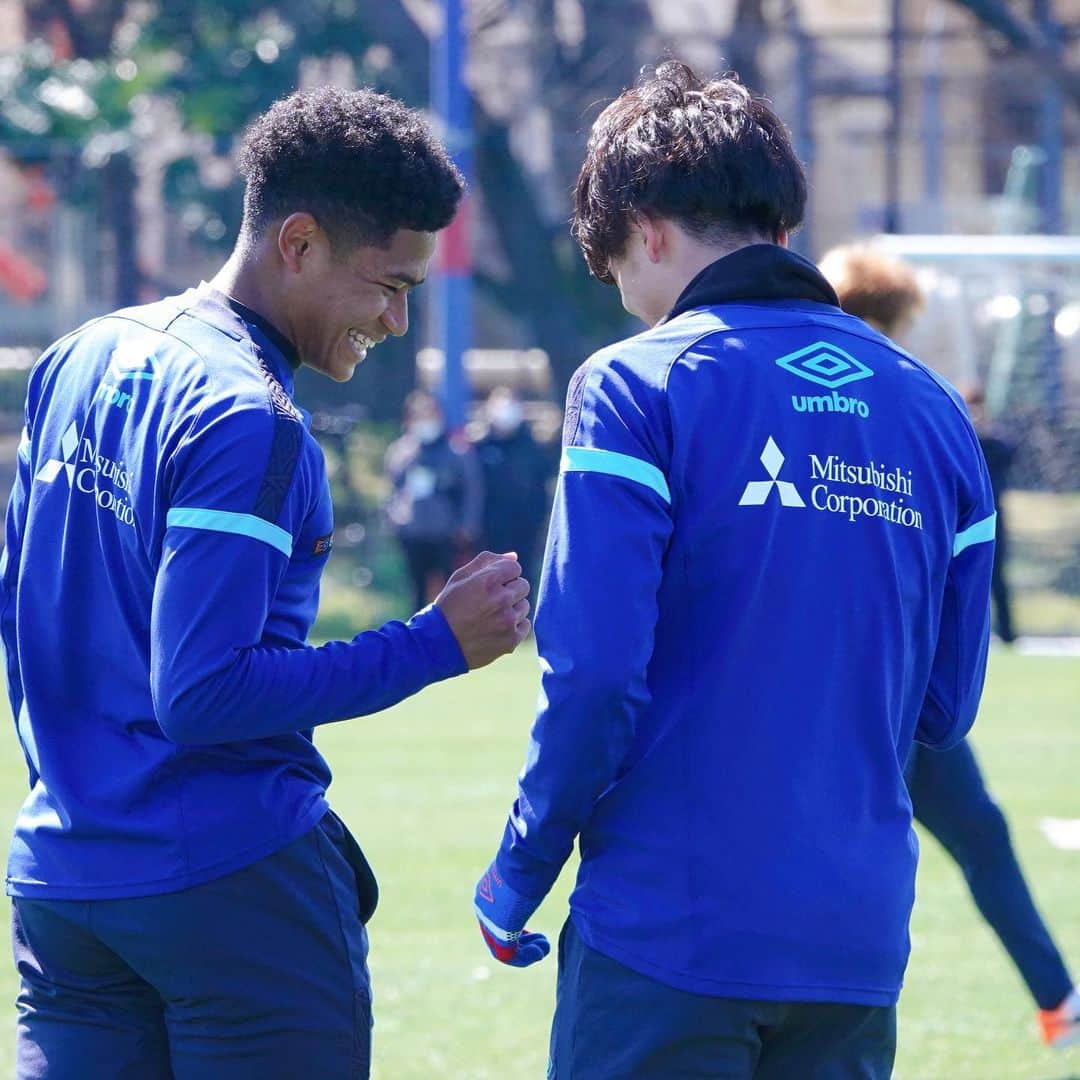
[(709, 156), (361, 163)]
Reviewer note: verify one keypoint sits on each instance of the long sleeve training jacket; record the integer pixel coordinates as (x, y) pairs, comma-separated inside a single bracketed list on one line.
[(767, 573), (166, 533)]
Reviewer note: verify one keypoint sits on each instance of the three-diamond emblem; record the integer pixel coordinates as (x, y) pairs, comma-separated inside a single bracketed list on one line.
[(757, 492), (69, 443), (825, 364)]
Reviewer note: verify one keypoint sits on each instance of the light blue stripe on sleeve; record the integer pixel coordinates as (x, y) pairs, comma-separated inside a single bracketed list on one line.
[(979, 533), (24, 446), (189, 517), (589, 459)]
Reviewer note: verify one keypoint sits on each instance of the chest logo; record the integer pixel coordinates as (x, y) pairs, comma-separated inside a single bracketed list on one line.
[(825, 364), (757, 492)]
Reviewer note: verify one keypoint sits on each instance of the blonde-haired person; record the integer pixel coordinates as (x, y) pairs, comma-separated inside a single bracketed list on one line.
[(948, 792), (880, 289)]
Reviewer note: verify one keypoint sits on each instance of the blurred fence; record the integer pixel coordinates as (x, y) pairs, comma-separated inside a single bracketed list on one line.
[(57, 262)]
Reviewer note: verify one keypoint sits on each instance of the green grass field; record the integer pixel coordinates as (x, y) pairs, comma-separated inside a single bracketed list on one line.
[(426, 786)]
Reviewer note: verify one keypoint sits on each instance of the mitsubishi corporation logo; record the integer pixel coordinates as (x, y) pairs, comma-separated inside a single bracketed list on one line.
[(106, 480), (51, 469), (825, 364), (853, 489), (757, 491)]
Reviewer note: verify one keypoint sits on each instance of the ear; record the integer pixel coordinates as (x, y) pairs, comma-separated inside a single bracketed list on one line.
[(653, 236), (297, 238)]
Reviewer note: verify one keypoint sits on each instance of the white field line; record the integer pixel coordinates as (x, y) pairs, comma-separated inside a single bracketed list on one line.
[(1047, 646)]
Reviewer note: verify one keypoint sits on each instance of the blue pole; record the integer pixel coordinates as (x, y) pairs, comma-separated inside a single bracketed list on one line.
[(453, 279)]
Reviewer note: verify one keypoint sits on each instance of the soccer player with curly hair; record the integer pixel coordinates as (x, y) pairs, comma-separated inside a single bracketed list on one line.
[(767, 573), (185, 902)]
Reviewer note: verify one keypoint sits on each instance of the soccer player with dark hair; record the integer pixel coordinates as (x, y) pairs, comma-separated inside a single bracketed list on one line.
[(185, 903), (767, 573), (949, 796)]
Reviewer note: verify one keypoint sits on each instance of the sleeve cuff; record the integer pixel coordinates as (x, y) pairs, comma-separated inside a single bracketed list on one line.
[(435, 638), (521, 870)]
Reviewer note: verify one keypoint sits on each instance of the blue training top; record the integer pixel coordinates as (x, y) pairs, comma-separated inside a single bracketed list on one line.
[(167, 530), (767, 572)]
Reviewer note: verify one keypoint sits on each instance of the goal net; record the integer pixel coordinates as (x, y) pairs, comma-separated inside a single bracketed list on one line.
[(1002, 318)]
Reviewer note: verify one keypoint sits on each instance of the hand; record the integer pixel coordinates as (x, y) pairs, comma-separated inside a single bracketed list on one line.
[(502, 913), (484, 603)]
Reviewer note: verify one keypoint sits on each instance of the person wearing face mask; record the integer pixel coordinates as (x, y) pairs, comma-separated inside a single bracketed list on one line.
[(436, 495), (516, 472), (185, 903)]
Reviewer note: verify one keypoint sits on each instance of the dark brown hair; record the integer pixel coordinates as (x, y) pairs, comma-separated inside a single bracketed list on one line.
[(707, 155)]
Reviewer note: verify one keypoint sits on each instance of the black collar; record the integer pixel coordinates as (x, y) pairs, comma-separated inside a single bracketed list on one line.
[(284, 344), (216, 298), (756, 272)]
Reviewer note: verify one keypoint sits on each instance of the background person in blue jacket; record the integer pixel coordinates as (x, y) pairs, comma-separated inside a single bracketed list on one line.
[(767, 573), (185, 903), (949, 795)]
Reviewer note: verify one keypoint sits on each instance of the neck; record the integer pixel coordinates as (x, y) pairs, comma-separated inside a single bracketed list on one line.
[(244, 277), (688, 258)]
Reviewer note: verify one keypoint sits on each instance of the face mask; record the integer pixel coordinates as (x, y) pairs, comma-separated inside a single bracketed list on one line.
[(506, 417), (427, 431)]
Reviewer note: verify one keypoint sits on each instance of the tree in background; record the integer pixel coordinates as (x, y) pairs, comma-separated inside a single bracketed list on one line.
[(109, 92), (104, 91)]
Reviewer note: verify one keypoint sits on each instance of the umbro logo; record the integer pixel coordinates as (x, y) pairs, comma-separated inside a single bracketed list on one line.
[(129, 363), (129, 360), (825, 364), (756, 492)]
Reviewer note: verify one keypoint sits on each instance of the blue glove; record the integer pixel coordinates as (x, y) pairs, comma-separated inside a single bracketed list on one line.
[(502, 913)]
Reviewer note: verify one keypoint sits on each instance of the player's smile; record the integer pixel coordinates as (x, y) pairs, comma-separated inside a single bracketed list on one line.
[(361, 344)]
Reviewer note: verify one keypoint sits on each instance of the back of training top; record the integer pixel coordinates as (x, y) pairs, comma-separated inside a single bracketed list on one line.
[(767, 572), (166, 533)]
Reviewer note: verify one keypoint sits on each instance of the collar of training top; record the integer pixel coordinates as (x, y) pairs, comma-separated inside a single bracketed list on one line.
[(253, 318), (288, 349), (756, 272), (237, 320)]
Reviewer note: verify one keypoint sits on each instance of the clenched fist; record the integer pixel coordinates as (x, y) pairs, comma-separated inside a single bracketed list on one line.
[(484, 603)]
